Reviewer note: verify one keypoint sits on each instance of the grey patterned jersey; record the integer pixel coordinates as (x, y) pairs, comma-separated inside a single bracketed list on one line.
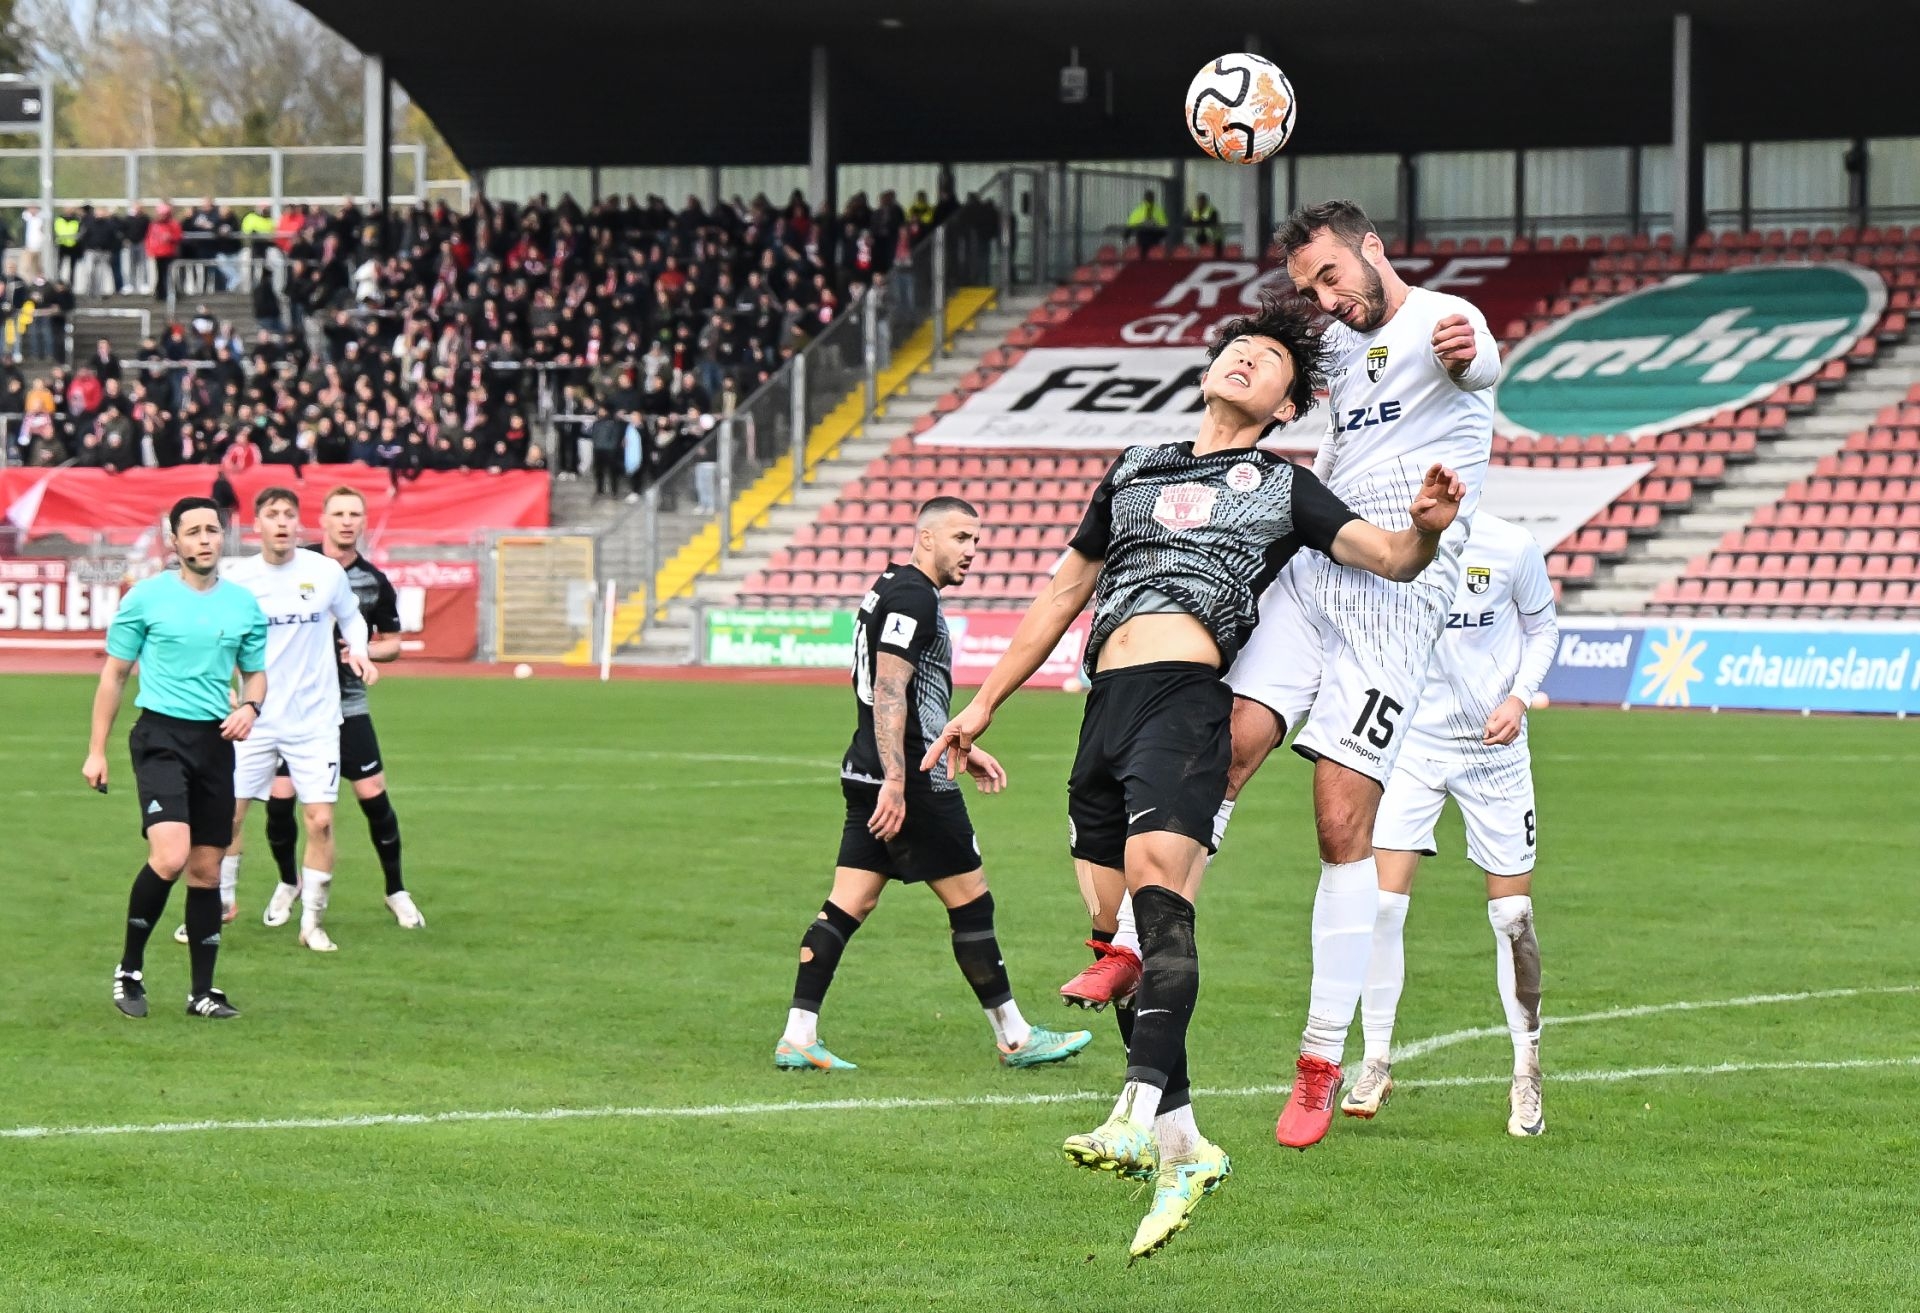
[(1207, 532), (380, 608), (901, 614)]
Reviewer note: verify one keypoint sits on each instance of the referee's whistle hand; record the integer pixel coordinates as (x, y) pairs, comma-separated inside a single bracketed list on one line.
[(95, 771)]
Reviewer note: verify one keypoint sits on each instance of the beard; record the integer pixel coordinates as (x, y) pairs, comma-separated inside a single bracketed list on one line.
[(1373, 300)]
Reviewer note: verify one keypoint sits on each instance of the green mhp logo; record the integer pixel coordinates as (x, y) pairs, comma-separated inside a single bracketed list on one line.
[(1680, 352)]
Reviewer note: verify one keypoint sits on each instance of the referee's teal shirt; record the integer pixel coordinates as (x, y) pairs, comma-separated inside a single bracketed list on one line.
[(187, 643)]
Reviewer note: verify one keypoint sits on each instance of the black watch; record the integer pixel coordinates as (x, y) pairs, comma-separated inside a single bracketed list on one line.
[(257, 708)]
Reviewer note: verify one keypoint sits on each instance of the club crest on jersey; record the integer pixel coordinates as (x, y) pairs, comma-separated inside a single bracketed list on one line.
[(1376, 363), (1185, 506), (1244, 477), (1479, 578), (306, 590)]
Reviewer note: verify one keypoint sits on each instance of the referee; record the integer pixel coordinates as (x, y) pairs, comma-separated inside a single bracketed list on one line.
[(188, 630)]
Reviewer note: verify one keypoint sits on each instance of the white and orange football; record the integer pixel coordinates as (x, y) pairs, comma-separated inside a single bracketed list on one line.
[(1241, 109)]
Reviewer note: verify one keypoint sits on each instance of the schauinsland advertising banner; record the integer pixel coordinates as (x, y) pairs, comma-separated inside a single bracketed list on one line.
[(1738, 665)]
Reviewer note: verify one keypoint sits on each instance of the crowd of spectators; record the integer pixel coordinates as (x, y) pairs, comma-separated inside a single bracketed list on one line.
[(435, 339)]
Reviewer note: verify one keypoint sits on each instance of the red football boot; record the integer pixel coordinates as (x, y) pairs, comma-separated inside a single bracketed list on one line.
[(1309, 1111), (1114, 977)]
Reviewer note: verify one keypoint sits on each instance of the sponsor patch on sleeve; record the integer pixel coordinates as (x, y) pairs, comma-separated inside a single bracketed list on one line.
[(898, 630)]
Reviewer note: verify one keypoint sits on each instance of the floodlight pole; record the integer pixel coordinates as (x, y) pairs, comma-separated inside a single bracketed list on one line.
[(50, 256)]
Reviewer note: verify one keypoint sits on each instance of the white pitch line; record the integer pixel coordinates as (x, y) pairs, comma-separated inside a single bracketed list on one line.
[(876, 1105), (1421, 1047), (1021, 1100)]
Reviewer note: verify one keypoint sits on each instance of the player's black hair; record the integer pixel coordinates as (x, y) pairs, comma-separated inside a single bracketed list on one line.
[(941, 505), (1290, 320), (1343, 219), (185, 504), (268, 496)]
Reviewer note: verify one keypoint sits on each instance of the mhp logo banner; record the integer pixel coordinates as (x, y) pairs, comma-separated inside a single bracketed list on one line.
[(1778, 669), (1592, 665), (1683, 350)]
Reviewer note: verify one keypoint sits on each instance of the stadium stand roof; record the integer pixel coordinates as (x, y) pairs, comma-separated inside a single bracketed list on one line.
[(645, 82)]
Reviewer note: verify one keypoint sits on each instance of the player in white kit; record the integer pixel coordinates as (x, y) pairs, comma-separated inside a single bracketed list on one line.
[(304, 594), (1468, 741), (1410, 383)]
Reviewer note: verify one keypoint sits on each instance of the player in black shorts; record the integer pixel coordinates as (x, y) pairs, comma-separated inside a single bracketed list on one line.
[(343, 518), (188, 630), (906, 821), (1180, 541)]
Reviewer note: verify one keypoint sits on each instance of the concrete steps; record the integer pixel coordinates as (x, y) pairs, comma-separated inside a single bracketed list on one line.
[(1627, 586), (671, 638)]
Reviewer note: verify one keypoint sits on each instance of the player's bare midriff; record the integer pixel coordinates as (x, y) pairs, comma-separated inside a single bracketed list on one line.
[(1158, 637)]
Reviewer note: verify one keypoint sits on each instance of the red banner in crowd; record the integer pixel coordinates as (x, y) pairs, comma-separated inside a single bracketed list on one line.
[(60, 605), (1178, 302), (981, 637), (440, 507)]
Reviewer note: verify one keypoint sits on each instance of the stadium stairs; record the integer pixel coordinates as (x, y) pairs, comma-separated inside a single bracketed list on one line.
[(1648, 576), (767, 514)]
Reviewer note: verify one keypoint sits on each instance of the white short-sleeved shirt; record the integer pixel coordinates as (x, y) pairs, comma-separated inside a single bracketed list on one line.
[(302, 600), (1503, 577), (1395, 411)]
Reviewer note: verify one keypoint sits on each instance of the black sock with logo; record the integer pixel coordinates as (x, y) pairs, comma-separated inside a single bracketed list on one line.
[(145, 906)]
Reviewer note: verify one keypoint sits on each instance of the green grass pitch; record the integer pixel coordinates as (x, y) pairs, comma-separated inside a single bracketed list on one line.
[(616, 878)]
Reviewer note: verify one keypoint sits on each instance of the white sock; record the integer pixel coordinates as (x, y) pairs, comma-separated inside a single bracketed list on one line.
[(1344, 910), (1220, 819), (1124, 934), (229, 879), (1176, 1133), (803, 1028), (1138, 1103), (314, 887), (1010, 1029), (1512, 920), (1386, 976)]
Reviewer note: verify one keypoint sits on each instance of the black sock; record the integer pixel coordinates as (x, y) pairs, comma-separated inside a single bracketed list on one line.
[(1123, 1017), (385, 828), (145, 905), (820, 950), (283, 835), (203, 935), (978, 952), (1169, 985), (1100, 936)]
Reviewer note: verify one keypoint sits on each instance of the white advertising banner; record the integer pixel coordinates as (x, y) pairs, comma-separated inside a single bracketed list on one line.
[(1086, 399), (1552, 504)]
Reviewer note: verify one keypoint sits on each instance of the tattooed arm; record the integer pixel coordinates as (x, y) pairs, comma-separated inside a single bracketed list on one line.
[(890, 678)]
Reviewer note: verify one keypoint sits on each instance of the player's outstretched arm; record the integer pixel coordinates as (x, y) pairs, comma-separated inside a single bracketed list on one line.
[(1040, 631), (1403, 555), (106, 705)]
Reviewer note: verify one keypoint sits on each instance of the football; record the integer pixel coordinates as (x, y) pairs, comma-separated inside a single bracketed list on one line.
[(1241, 108)]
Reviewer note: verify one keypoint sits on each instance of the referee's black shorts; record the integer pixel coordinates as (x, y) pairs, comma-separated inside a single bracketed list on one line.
[(936, 841), (183, 771), (1155, 744)]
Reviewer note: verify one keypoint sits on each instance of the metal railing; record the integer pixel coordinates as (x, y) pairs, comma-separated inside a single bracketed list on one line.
[(267, 176), (841, 367)]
